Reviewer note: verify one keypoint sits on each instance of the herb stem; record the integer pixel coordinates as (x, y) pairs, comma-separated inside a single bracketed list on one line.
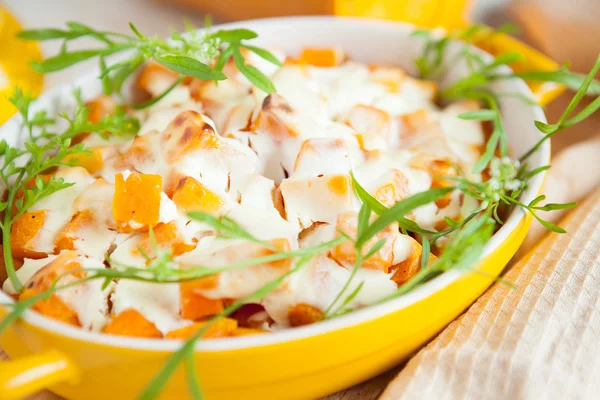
[(6, 243), (192, 380), (8, 260), (337, 298)]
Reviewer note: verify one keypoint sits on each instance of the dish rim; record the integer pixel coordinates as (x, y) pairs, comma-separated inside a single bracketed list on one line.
[(354, 318)]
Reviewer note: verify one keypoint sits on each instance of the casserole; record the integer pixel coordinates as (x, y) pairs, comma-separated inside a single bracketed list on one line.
[(301, 363)]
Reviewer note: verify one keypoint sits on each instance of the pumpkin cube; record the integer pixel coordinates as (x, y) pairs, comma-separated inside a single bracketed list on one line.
[(164, 236), (304, 314), (67, 236), (136, 203), (408, 268), (43, 279), (154, 79), (191, 195), (131, 323), (92, 161), (98, 109), (345, 253), (187, 132), (322, 57), (25, 233), (194, 305)]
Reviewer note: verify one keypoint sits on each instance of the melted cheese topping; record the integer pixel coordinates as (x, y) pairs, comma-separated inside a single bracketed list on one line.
[(158, 303), (318, 283), (59, 206), (88, 299), (26, 271), (278, 165)]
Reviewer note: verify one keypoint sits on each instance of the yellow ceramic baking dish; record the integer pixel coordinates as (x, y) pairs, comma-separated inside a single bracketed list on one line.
[(300, 363)]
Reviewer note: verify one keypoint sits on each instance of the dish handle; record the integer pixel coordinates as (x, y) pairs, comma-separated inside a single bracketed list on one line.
[(28, 375)]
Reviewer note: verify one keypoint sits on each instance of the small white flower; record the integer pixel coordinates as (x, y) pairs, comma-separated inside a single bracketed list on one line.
[(494, 184), (514, 184), (495, 167)]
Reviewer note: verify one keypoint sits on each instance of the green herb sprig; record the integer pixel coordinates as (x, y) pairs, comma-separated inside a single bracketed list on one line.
[(564, 121), (201, 56), (431, 63), (367, 230), (476, 85), (461, 253), (43, 149)]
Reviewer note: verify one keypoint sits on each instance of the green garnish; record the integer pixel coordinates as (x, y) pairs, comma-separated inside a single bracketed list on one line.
[(431, 66), (43, 150), (199, 56), (551, 129)]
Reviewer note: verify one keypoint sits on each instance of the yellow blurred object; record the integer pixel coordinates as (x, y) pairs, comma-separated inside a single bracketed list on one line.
[(449, 14), (14, 67)]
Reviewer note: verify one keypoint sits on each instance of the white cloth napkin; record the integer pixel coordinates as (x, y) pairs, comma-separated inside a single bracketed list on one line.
[(539, 340)]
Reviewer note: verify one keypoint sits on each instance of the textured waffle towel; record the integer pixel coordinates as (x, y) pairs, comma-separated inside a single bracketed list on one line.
[(540, 340)]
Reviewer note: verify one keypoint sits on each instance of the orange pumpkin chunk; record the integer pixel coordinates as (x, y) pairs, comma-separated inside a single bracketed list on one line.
[(221, 328), (194, 305), (137, 201), (23, 235), (100, 107), (189, 131), (304, 314), (92, 161), (131, 323), (150, 73), (393, 190), (345, 253), (42, 280), (166, 236), (328, 57), (283, 245), (66, 237), (339, 184), (438, 169), (409, 267), (54, 308), (191, 195)]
